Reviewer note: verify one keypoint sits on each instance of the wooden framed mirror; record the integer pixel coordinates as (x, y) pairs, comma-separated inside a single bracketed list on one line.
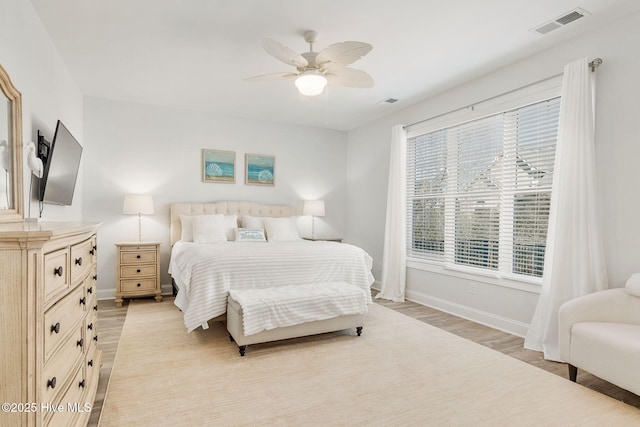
[(11, 204)]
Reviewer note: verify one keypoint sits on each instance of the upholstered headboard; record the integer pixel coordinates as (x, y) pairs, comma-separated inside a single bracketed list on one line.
[(223, 207)]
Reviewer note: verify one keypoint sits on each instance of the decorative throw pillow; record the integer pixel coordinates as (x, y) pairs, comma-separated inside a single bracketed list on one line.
[(208, 228), (281, 229), (633, 285), (249, 235)]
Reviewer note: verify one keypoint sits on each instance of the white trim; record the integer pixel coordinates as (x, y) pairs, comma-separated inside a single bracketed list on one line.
[(510, 326), (536, 92), (532, 285)]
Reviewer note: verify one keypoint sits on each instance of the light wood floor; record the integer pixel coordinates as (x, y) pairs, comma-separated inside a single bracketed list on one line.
[(111, 320)]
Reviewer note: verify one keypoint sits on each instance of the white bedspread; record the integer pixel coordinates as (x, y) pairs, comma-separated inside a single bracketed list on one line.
[(205, 273), (266, 309)]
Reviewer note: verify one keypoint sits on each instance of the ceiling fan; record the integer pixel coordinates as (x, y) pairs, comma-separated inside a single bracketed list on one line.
[(314, 70)]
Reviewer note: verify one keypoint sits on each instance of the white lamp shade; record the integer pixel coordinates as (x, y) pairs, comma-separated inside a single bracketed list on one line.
[(311, 83), (313, 207), (135, 204)]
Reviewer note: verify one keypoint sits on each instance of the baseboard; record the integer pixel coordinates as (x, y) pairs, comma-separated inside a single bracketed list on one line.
[(510, 326)]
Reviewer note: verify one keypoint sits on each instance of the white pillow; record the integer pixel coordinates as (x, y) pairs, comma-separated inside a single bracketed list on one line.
[(230, 224), (208, 228), (187, 228), (281, 229), (253, 222), (248, 235), (633, 285)]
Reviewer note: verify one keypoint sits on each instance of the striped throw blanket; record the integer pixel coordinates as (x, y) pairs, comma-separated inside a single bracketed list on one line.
[(266, 309)]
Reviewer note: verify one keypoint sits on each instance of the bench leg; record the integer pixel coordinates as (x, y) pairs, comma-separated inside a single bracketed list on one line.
[(242, 349), (359, 330), (573, 373)]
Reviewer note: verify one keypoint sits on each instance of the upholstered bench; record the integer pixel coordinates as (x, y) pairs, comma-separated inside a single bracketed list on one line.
[(263, 315)]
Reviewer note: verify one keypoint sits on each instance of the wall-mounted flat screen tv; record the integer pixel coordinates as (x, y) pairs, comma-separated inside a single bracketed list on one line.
[(61, 164)]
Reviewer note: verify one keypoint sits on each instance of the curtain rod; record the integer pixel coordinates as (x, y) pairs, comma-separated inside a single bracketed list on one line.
[(593, 65)]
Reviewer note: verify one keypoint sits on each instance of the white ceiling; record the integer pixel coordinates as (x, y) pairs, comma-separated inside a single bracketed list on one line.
[(194, 54)]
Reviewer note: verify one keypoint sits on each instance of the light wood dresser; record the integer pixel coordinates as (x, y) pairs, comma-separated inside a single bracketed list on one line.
[(138, 270), (48, 332)]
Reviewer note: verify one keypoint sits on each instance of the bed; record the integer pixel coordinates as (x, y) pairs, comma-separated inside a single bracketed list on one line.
[(204, 272)]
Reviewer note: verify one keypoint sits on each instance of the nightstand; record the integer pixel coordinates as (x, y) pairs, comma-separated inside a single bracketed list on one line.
[(138, 269), (324, 239)]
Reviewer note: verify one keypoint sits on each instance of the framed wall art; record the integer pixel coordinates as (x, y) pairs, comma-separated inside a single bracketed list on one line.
[(219, 166), (260, 169)]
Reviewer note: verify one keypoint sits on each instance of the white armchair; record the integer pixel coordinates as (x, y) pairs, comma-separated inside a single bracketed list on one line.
[(600, 333)]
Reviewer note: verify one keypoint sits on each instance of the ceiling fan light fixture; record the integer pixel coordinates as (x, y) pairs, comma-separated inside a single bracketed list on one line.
[(311, 83)]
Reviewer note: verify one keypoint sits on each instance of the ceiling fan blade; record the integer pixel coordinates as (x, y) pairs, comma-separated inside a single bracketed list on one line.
[(342, 54), (283, 53), (350, 77), (272, 76)]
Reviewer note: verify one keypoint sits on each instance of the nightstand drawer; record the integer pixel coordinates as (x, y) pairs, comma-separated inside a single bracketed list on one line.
[(141, 285), (138, 268), (135, 257), (127, 272)]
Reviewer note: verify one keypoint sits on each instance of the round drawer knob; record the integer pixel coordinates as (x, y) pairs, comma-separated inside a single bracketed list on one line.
[(90, 362), (79, 342), (90, 290), (90, 326), (138, 285), (83, 300), (79, 261), (51, 383), (58, 271), (56, 328), (138, 256), (81, 384)]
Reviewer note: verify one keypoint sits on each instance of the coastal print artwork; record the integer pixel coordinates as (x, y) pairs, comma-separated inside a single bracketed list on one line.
[(260, 169), (219, 166)]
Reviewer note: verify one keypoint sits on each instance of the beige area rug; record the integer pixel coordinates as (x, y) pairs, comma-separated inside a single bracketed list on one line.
[(399, 372)]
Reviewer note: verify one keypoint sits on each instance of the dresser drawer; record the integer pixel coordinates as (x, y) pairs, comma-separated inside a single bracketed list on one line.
[(72, 402), (60, 320), (137, 286), (92, 362), (81, 260), (127, 272), (56, 274), (60, 365), (91, 330), (137, 256)]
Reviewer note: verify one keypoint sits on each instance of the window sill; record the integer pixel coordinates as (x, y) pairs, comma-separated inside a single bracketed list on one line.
[(532, 285)]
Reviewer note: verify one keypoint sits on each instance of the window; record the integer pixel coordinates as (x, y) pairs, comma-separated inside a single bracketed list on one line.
[(478, 193)]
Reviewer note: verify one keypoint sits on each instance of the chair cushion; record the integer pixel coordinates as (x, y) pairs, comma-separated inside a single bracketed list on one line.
[(608, 350)]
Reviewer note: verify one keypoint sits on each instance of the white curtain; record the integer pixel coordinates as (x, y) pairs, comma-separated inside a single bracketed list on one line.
[(574, 261), (394, 257)]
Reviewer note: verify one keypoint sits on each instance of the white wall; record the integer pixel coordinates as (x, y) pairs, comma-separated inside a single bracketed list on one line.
[(143, 149), (618, 148), (48, 91)]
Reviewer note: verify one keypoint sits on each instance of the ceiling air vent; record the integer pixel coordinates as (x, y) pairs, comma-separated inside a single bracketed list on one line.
[(561, 21)]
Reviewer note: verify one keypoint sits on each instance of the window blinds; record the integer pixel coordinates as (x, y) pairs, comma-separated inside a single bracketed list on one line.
[(478, 193)]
